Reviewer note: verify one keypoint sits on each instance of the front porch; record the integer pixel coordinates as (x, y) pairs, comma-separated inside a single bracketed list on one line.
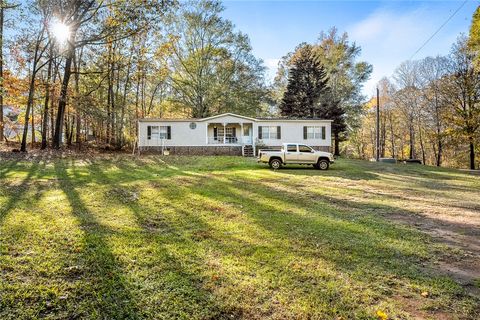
[(230, 133)]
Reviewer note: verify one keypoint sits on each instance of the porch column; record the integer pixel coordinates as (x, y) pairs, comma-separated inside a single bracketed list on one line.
[(241, 132), (254, 135), (224, 132)]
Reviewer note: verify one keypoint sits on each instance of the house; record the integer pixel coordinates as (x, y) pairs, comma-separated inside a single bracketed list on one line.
[(230, 134)]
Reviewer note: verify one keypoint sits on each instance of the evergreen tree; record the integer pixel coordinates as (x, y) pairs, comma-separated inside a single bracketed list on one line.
[(307, 85), (307, 94)]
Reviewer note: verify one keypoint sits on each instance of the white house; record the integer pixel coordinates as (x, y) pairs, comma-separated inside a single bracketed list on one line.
[(230, 133)]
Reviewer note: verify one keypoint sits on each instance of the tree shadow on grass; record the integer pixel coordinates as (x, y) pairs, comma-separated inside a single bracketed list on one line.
[(174, 263), (17, 192), (6, 167), (107, 295), (369, 250), (360, 244)]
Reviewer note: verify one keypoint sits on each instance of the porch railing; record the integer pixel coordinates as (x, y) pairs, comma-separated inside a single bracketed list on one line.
[(229, 140)]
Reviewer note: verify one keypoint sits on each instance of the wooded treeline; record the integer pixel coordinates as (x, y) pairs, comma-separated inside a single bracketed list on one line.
[(323, 80), (429, 110), (83, 70)]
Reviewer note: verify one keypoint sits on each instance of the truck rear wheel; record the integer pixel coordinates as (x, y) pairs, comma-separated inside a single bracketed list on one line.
[(322, 164), (275, 164)]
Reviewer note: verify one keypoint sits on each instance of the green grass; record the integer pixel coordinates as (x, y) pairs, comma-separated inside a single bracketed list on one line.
[(225, 238)]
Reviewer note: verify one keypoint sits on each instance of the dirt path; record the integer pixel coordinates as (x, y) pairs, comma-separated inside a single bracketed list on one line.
[(462, 263)]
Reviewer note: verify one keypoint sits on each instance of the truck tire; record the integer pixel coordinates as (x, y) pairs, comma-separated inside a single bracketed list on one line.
[(275, 163), (322, 164)]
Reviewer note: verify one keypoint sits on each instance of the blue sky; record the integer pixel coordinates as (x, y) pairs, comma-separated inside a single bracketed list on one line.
[(388, 32)]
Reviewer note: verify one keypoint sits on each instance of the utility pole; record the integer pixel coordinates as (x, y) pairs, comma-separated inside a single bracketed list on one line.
[(377, 153)]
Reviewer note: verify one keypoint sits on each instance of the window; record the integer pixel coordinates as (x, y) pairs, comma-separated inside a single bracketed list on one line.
[(291, 148), (229, 132), (302, 148), (269, 132), (158, 132), (163, 132), (314, 132)]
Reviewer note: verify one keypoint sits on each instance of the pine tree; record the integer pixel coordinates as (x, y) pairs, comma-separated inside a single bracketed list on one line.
[(308, 95), (307, 85)]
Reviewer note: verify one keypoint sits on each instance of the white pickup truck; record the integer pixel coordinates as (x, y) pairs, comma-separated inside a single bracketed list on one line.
[(295, 153)]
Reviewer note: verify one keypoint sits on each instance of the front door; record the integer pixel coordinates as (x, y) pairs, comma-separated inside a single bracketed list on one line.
[(291, 154), (306, 154), (246, 135)]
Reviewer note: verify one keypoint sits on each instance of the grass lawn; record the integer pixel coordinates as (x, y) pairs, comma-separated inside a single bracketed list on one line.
[(227, 238)]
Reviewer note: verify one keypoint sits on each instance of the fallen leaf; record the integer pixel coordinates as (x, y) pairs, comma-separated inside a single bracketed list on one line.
[(381, 315)]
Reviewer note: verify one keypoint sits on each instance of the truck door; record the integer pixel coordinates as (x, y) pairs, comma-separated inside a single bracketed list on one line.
[(291, 154), (306, 154)]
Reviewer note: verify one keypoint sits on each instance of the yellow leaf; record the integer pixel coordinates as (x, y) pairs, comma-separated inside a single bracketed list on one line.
[(381, 315)]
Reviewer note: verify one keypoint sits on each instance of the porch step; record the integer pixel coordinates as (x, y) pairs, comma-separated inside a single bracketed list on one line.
[(248, 150)]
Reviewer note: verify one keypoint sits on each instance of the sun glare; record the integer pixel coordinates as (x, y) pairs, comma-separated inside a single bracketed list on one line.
[(60, 31)]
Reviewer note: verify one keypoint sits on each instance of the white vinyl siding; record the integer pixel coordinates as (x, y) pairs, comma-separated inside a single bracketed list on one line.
[(183, 135)]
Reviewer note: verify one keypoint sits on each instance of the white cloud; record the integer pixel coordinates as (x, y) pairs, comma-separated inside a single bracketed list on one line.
[(272, 67), (272, 63), (387, 38)]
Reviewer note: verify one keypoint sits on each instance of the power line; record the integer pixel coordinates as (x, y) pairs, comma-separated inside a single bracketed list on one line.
[(440, 28)]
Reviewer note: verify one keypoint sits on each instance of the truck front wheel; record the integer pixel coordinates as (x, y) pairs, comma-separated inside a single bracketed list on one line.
[(322, 164), (275, 164)]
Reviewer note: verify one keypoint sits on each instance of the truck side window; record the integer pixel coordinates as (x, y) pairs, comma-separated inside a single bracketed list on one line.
[(291, 148), (304, 149)]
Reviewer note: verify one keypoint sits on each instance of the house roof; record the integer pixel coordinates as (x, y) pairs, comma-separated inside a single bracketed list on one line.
[(232, 115), (292, 119)]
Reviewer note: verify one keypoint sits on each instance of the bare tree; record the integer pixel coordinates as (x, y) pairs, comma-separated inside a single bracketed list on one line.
[(432, 75), (464, 95), (407, 97), (39, 50)]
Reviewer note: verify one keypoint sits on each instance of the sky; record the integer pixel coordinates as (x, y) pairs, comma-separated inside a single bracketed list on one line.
[(389, 32)]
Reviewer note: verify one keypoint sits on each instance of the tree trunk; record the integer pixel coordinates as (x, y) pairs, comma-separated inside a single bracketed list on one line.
[(439, 153), (77, 104), (31, 92), (412, 142), (52, 102), (337, 144), (422, 145), (392, 137), (33, 127), (62, 101), (472, 153), (45, 105)]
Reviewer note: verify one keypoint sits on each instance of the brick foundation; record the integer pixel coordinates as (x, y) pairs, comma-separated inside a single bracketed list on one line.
[(213, 150), (197, 150)]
